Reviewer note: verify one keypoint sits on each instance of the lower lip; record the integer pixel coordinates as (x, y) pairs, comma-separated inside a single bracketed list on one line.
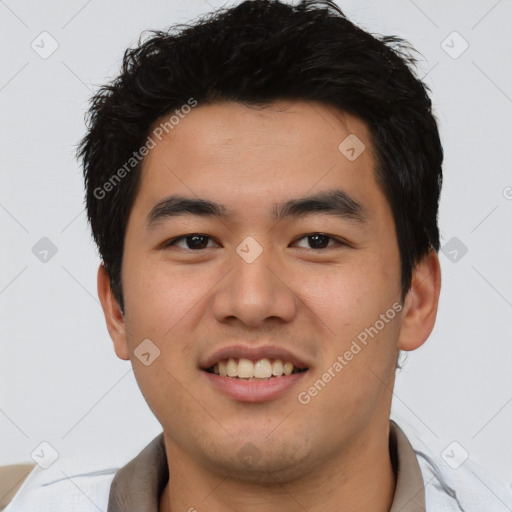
[(253, 390)]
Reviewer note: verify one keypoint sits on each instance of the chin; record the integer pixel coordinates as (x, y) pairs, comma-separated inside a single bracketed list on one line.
[(251, 465)]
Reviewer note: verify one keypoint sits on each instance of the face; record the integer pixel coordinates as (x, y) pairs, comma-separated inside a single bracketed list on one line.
[(257, 282)]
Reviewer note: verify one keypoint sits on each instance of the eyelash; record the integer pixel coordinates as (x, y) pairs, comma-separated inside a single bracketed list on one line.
[(173, 241)]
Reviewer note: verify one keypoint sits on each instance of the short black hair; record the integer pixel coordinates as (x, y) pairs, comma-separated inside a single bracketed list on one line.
[(255, 53)]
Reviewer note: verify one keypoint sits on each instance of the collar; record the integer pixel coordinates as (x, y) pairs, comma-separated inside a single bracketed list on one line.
[(410, 489), (138, 485)]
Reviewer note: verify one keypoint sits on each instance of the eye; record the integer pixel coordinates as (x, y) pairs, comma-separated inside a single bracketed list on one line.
[(320, 240), (194, 241), (199, 241)]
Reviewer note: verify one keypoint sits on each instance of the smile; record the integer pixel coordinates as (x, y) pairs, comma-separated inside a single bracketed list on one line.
[(261, 369)]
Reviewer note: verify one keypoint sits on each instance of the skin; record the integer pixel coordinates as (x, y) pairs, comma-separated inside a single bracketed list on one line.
[(331, 454)]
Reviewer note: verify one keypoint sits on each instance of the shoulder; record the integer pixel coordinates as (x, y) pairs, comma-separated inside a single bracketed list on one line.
[(453, 481), (52, 492)]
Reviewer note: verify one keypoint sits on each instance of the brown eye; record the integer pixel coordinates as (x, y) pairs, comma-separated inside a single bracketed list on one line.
[(195, 241), (319, 241)]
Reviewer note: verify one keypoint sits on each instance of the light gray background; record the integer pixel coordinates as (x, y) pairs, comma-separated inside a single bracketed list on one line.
[(61, 381)]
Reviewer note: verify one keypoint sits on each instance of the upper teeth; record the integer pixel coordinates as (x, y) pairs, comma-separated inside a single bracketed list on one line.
[(246, 369)]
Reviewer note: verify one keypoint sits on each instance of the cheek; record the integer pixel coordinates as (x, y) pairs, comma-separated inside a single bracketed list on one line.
[(358, 352), (168, 305), (158, 297), (354, 309), (163, 306), (348, 298)]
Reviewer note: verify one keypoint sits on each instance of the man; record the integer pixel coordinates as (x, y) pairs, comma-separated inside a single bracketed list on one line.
[(263, 187)]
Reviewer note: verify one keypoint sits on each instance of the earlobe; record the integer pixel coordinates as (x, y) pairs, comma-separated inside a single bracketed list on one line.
[(421, 303), (114, 318)]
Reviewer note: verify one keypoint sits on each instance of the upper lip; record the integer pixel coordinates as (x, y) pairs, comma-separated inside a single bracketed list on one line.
[(253, 353)]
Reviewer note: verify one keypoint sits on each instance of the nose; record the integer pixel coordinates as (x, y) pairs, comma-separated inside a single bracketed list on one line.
[(255, 293)]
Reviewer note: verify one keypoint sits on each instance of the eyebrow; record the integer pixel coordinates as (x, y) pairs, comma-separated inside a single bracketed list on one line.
[(332, 202)]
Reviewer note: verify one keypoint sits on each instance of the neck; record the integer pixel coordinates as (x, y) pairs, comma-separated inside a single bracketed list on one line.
[(359, 478)]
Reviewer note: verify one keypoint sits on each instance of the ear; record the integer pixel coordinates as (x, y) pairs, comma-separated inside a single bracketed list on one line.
[(421, 302), (113, 316)]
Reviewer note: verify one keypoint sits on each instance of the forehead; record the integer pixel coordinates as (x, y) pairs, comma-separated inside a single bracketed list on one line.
[(249, 156), (282, 129)]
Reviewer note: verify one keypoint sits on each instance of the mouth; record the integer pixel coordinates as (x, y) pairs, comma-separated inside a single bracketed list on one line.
[(260, 369), (254, 374)]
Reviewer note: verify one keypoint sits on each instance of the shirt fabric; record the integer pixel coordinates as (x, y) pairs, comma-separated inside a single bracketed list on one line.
[(423, 484)]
